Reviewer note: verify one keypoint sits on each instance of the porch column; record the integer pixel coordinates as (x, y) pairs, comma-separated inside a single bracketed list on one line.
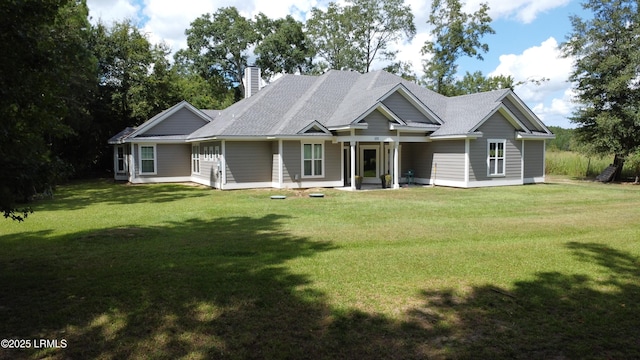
[(352, 146), (396, 168), (280, 165)]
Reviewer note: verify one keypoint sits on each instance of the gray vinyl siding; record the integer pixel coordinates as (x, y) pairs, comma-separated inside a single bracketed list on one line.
[(332, 161), (248, 161), (533, 159), (292, 161), (518, 114), (448, 160), (378, 125), (171, 160), (400, 106), (181, 122), (419, 158), (495, 128)]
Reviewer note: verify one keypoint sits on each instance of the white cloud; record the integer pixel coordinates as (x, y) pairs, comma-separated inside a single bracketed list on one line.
[(109, 11), (552, 98), (525, 11), (167, 20)]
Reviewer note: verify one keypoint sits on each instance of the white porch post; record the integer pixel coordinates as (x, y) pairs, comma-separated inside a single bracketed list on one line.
[(223, 164), (134, 159), (280, 165), (352, 146), (396, 167)]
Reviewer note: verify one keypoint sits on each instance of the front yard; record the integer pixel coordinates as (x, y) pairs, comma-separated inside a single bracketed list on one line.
[(175, 271)]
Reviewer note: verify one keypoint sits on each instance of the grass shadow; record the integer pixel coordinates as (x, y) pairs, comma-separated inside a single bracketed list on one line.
[(221, 288), (553, 316), (79, 195)]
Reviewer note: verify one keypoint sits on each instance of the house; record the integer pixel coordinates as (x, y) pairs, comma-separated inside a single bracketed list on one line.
[(321, 131)]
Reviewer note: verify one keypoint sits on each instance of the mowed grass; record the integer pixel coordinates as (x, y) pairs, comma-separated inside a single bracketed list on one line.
[(175, 271)]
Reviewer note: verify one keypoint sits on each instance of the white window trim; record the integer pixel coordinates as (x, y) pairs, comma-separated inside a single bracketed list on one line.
[(306, 142), (155, 159), (503, 172), (195, 157)]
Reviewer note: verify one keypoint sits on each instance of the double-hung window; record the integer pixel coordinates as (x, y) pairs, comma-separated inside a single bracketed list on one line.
[(312, 160), (148, 159), (195, 156), (121, 163), (496, 157)]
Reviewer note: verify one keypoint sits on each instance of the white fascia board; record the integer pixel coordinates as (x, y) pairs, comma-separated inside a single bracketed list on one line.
[(406, 128), (522, 136), (511, 118), (361, 126), (456, 137), (315, 123), (155, 141), (264, 137), (526, 110)]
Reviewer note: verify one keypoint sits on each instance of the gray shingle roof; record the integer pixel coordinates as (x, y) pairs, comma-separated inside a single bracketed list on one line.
[(119, 137), (338, 98)]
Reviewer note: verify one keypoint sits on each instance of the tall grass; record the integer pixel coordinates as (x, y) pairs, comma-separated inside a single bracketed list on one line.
[(573, 164)]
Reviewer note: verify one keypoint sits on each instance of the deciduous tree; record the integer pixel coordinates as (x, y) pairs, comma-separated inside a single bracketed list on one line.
[(45, 76), (455, 34), (606, 76), (283, 46), (219, 45)]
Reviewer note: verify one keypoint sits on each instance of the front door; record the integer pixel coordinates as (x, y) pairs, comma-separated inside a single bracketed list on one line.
[(370, 163)]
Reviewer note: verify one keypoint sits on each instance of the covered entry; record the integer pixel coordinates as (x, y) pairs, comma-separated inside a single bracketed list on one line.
[(370, 160)]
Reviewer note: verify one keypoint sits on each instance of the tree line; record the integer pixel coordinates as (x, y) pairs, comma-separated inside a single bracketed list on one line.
[(68, 85)]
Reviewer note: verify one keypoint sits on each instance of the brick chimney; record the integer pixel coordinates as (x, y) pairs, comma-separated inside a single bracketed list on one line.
[(251, 81)]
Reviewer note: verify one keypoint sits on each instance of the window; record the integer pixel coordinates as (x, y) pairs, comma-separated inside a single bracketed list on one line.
[(496, 158), (120, 159), (195, 157), (147, 159), (312, 164)]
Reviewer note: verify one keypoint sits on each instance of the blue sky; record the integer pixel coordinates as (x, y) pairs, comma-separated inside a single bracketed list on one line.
[(525, 45)]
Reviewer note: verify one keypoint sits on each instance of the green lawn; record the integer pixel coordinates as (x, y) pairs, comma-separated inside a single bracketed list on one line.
[(174, 271)]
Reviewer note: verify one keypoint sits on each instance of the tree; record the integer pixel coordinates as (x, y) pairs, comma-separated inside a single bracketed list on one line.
[(455, 34), (331, 32), (606, 77), (219, 44), (45, 74), (402, 69), (376, 25), (354, 36), (284, 46), (477, 82), (633, 161), (134, 82)]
